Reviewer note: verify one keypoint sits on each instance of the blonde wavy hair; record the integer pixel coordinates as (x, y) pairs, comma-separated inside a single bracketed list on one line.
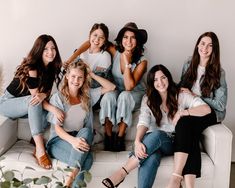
[(84, 90)]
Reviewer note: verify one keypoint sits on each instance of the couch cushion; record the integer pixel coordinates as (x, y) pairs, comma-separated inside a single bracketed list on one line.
[(9, 128), (105, 163)]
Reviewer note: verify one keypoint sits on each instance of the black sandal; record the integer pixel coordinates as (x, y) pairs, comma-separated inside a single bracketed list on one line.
[(110, 183)]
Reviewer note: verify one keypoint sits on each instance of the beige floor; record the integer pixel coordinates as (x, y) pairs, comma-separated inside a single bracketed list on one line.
[(232, 177)]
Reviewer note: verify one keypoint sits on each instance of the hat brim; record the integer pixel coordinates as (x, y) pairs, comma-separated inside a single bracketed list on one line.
[(142, 34)]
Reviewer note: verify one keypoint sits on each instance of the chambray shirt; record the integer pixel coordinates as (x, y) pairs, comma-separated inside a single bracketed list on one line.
[(58, 101), (218, 99)]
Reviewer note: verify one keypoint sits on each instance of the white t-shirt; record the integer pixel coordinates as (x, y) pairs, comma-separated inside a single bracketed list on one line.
[(147, 119), (196, 87), (94, 60), (71, 122)]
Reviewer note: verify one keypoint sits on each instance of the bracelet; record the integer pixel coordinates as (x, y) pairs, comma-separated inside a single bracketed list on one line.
[(128, 65), (188, 112)]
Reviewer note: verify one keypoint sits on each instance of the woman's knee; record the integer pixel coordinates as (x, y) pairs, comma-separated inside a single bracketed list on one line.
[(87, 134), (154, 141), (126, 101), (109, 97), (125, 95), (183, 124), (153, 137)]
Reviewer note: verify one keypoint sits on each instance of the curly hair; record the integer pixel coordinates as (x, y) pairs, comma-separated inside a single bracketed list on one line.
[(84, 91), (211, 79), (34, 62), (154, 99)]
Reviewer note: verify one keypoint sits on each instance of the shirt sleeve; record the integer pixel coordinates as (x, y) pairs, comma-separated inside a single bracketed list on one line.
[(145, 114), (185, 68), (218, 99), (88, 121), (104, 60), (95, 94), (187, 100), (32, 82), (56, 101)]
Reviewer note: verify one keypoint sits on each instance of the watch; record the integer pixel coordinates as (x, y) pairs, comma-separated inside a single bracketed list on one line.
[(128, 65)]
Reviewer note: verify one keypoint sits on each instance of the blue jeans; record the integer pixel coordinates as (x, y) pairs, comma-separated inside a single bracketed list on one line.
[(63, 151), (158, 143), (16, 107)]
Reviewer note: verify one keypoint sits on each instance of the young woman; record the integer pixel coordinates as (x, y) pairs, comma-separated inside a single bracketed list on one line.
[(129, 66), (99, 61), (163, 108), (70, 140), (202, 77), (30, 88)]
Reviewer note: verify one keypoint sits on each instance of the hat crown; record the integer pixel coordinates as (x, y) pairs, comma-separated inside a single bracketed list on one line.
[(141, 34), (131, 25)]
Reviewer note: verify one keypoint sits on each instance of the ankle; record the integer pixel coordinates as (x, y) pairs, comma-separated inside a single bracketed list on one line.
[(108, 128), (124, 169), (71, 177), (122, 129), (39, 152)]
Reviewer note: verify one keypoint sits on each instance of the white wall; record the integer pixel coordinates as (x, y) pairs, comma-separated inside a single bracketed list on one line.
[(173, 28)]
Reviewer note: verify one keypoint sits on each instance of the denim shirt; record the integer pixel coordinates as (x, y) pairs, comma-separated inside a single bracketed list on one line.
[(218, 99), (58, 101)]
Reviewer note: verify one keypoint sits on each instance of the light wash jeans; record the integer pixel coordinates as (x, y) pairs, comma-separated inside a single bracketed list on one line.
[(16, 107), (158, 143), (63, 151)]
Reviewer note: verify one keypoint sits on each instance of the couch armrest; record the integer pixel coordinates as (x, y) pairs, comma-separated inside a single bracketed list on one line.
[(217, 142), (8, 133)]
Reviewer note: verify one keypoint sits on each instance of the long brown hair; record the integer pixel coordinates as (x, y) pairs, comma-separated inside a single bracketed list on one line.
[(84, 91), (46, 75), (154, 99), (211, 79)]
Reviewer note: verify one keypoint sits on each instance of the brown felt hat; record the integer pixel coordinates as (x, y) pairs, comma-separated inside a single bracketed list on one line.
[(141, 34)]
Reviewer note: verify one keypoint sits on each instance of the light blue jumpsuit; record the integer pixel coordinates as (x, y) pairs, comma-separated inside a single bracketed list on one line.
[(118, 105)]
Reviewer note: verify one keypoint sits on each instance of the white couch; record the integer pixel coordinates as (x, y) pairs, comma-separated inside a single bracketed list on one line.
[(216, 156)]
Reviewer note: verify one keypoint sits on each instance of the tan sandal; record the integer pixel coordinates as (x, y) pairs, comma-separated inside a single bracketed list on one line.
[(43, 161)]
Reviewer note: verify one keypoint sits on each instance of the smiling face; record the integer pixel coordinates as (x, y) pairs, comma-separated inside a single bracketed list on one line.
[(97, 39), (160, 82), (75, 79), (205, 47), (129, 41), (49, 53)]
